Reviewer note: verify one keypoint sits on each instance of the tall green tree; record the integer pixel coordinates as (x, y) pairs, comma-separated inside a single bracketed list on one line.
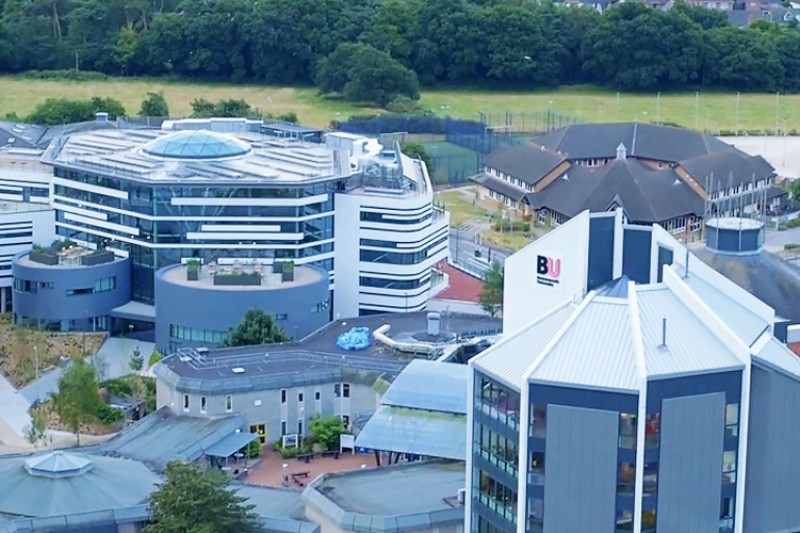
[(364, 74), (193, 500), (491, 298), (154, 105), (78, 400), (257, 327), (326, 431)]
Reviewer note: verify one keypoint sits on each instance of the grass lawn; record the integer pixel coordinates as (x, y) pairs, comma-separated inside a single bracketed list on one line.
[(507, 240), (716, 111), (458, 202)]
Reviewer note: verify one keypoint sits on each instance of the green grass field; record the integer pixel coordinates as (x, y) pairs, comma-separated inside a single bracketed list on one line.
[(713, 112)]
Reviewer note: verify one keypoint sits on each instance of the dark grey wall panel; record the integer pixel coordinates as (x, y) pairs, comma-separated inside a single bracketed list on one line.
[(636, 254), (580, 470), (773, 461), (690, 463), (601, 251)]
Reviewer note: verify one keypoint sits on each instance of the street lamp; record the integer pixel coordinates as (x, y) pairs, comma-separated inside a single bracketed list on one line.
[(36, 364)]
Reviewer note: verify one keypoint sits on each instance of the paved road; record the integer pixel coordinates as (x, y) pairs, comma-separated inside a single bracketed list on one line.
[(468, 252)]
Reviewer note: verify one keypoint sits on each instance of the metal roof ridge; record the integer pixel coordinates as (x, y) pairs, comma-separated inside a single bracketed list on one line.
[(559, 334), (636, 329)]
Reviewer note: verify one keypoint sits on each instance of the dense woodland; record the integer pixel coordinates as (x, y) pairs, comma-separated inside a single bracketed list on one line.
[(499, 43)]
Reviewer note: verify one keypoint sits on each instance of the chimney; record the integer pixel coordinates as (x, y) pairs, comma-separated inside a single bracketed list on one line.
[(622, 152)]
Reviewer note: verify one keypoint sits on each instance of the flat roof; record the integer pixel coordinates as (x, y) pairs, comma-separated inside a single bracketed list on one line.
[(735, 223), (74, 262), (394, 491), (303, 275)]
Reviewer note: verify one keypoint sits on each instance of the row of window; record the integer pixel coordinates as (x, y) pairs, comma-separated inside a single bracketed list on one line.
[(204, 403), (398, 284), (197, 335), (340, 390), (498, 401), (32, 287), (500, 451), (368, 216), (496, 496)]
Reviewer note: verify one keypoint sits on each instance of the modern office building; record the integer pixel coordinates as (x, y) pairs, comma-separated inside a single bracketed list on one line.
[(360, 212), (636, 389)]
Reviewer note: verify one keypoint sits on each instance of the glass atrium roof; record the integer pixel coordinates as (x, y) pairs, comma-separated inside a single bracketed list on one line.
[(196, 145)]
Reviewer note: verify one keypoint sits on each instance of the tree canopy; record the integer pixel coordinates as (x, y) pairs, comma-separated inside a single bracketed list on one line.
[(257, 327), (154, 105), (194, 500), (491, 298), (78, 400), (499, 42), (54, 111)]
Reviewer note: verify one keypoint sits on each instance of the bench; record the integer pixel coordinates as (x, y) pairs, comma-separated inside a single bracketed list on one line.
[(329, 453), (301, 474), (306, 457)]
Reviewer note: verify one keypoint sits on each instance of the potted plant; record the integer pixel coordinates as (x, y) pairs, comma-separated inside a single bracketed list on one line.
[(287, 272), (192, 270)]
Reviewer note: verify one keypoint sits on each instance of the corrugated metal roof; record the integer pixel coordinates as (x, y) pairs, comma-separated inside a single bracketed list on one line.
[(776, 355), (691, 346), (430, 385), (510, 359), (741, 320), (416, 431), (596, 351)]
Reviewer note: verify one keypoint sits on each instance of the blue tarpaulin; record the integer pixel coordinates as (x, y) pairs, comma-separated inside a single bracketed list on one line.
[(355, 339)]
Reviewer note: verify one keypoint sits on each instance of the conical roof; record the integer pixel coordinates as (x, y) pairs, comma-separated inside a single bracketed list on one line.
[(58, 464)]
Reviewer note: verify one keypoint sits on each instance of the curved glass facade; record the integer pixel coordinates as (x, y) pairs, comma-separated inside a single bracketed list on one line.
[(196, 145)]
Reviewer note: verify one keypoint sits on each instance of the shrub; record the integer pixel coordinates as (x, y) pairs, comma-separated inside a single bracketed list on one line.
[(65, 74), (109, 415)]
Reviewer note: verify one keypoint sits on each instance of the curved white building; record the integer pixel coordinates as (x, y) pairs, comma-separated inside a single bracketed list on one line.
[(358, 210)]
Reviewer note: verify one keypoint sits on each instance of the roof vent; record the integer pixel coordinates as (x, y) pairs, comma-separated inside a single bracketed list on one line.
[(461, 495), (663, 332), (237, 370), (622, 152)]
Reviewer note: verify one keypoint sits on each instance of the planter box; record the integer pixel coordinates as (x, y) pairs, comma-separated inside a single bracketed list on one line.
[(277, 267), (45, 259), (287, 275), (97, 258), (192, 275), (237, 279)]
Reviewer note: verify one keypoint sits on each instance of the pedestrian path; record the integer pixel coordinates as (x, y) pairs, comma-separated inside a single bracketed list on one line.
[(14, 418)]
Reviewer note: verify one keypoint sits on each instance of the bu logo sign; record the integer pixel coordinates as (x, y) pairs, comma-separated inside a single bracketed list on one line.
[(547, 270)]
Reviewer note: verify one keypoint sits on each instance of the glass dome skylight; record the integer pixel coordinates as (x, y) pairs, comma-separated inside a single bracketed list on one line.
[(196, 145)]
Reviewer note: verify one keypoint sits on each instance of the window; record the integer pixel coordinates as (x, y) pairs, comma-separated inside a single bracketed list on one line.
[(539, 420), (650, 479), (495, 495), (283, 396), (626, 477), (346, 390), (627, 430), (105, 284), (624, 520), (726, 510), (731, 420), (728, 467), (649, 521), (203, 404), (299, 427), (300, 397), (283, 428), (500, 451), (535, 515), (652, 430), (228, 403), (185, 402), (79, 292), (317, 395), (537, 468), (346, 422), (281, 316), (337, 390)]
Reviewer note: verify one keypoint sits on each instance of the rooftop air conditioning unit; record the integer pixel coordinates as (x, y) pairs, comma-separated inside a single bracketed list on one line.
[(461, 495), (202, 350)]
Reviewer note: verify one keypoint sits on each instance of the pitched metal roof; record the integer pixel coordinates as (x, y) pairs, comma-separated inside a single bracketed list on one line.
[(777, 356), (110, 483), (509, 359), (163, 436), (691, 347), (416, 431), (430, 385), (526, 161), (597, 351), (648, 141), (728, 168), (500, 186)]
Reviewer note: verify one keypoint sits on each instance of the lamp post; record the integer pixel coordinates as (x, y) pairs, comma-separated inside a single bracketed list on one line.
[(36, 364)]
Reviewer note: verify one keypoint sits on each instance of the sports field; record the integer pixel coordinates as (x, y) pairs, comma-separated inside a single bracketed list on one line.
[(710, 111)]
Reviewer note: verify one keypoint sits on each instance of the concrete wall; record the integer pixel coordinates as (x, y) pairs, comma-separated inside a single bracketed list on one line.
[(580, 470), (54, 304), (205, 307), (329, 525), (39, 222), (265, 407), (773, 462)]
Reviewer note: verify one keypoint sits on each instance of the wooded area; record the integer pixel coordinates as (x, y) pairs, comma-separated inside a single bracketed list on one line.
[(456, 42)]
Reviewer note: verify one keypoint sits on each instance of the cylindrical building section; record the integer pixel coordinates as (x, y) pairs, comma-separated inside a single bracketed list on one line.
[(69, 291), (734, 235), (197, 306)]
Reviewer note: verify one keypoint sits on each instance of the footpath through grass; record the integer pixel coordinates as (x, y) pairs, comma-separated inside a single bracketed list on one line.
[(711, 111)]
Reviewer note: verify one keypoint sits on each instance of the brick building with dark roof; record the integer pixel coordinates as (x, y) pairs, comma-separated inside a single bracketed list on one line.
[(657, 174)]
